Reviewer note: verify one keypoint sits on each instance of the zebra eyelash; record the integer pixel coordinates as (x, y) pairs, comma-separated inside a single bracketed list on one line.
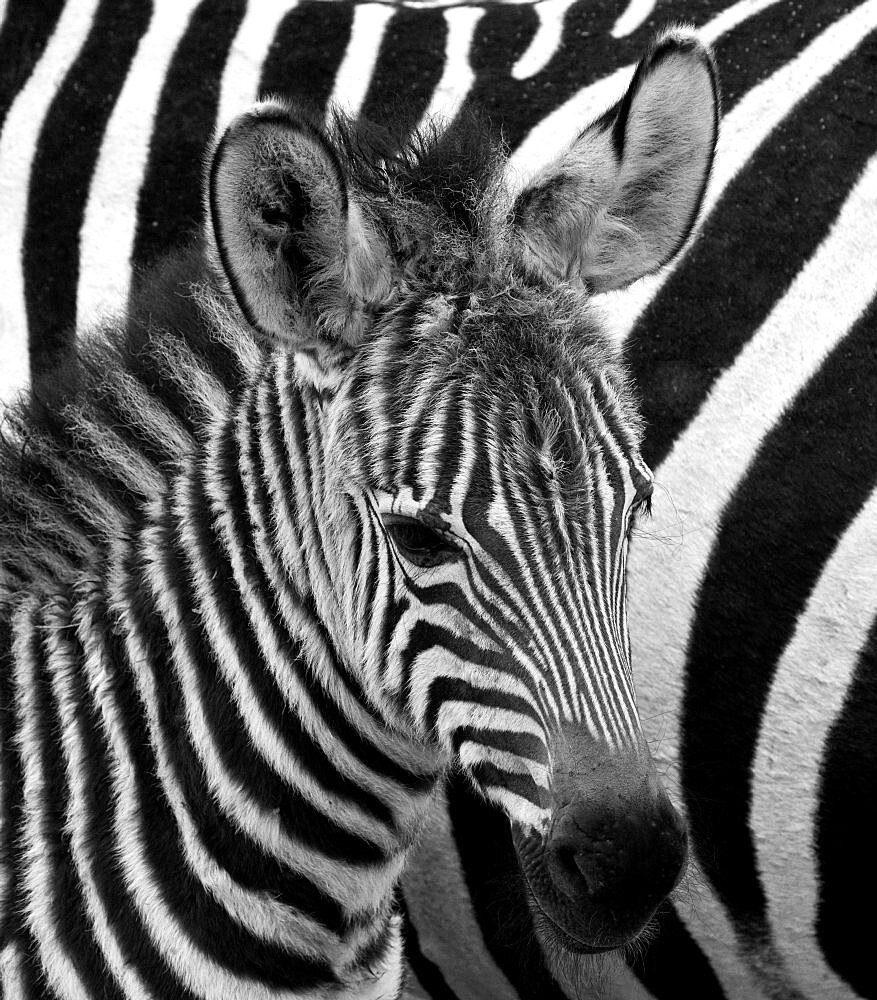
[(426, 545), (385, 523), (642, 508)]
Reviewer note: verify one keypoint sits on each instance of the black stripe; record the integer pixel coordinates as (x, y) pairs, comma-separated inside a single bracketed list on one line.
[(311, 754), (521, 744), (303, 820), (845, 824), (33, 981), (23, 39), (63, 168), (587, 52), (496, 890), (10, 776), (63, 896), (136, 946), (408, 69), (232, 849), (493, 616), (556, 647), (209, 927), (355, 741), (489, 775), (673, 958), (429, 975), (760, 45), (445, 689), (307, 50), (503, 35), (169, 205), (807, 482), (787, 196), (13, 928)]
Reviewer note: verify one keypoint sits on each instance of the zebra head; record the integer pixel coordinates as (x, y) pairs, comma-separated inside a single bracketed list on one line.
[(473, 463)]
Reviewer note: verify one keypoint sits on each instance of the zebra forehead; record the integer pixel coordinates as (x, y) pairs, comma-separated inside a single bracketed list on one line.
[(526, 384), (522, 346)]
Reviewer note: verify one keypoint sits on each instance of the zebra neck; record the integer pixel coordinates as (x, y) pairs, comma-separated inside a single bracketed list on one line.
[(147, 808), (277, 771), (187, 716)]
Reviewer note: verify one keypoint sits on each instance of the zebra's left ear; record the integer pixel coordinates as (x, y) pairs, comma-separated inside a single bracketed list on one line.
[(297, 252), (622, 200)]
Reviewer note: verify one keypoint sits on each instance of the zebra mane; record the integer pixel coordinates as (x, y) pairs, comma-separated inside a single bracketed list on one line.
[(84, 451), (449, 166), (82, 455)]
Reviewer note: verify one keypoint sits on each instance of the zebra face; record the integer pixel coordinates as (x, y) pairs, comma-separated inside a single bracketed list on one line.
[(493, 532), (475, 447), (491, 543)]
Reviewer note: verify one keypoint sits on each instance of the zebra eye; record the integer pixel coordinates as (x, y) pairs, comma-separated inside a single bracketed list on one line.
[(419, 543)]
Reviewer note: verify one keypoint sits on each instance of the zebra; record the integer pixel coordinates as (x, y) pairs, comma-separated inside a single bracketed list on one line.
[(753, 363), (340, 503)]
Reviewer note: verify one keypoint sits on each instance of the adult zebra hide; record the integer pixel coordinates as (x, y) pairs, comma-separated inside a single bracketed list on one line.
[(753, 590)]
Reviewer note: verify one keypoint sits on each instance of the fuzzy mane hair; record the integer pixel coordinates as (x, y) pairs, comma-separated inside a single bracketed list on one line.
[(451, 169), (81, 455)]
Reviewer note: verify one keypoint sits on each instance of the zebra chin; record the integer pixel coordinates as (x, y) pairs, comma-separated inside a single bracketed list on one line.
[(613, 851)]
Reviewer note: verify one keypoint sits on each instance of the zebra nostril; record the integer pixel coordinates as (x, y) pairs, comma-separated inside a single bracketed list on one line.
[(580, 873), (568, 873)]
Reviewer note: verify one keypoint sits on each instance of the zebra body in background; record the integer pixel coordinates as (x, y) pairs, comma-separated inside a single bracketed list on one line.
[(341, 502), (753, 597)]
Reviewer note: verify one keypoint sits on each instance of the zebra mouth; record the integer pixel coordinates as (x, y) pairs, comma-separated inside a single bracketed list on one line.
[(595, 899), (556, 922), (547, 928)]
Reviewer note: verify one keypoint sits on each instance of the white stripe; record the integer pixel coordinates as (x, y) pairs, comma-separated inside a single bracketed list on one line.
[(204, 977), (728, 19), (39, 881), (18, 143), (3, 9), (471, 754), (703, 469), (554, 133), (83, 846), (748, 126), (260, 822), (243, 68), (11, 976), (430, 4), (355, 72), (106, 240), (632, 17), (258, 911), (457, 78), (546, 41), (619, 982), (806, 696), (447, 928), (260, 731)]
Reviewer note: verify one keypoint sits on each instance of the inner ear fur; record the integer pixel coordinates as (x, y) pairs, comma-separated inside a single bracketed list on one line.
[(623, 199), (295, 249)]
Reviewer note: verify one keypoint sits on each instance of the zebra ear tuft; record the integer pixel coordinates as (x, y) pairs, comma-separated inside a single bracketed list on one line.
[(623, 199), (296, 251)]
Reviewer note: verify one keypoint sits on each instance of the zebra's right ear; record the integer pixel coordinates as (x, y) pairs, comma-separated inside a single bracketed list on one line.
[(622, 200), (297, 253)]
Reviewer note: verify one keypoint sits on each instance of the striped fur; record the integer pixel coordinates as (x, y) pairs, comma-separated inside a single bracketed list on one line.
[(235, 679), (775, 271), (226, 812)]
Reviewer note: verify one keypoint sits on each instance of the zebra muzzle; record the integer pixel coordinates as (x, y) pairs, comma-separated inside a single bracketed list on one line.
[(608, 860)]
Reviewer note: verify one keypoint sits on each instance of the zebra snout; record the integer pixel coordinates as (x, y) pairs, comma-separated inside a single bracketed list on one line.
[(604, 866), (612, 859), (612, 856)]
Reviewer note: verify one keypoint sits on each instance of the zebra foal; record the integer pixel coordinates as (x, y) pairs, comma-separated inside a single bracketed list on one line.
[(341, 502)]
